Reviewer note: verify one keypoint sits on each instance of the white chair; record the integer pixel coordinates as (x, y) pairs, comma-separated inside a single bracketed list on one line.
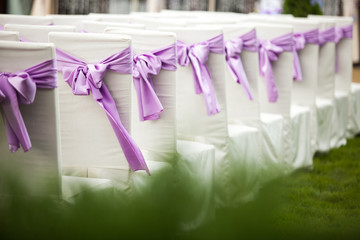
[(116, 18), (24, 19), (99, 27), (194, 123), (155, 23), (158, 137), (71, 20), (37, 33), (38, 169), (343, 79), (296, 134), (343, 76), (99, 153), (325, 97), (9, 36)]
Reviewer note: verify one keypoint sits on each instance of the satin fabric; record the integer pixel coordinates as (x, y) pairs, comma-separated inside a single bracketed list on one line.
[(86, 78), (340, 33), (327, 35), (21, 88), (233, 48), (300, 40), (269, 51), (197, 55), (144, 67)]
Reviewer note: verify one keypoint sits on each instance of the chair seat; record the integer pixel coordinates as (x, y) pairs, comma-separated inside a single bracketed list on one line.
[(73, 187)]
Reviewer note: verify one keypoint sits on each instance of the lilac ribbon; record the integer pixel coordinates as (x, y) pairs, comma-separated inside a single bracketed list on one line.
[(233, 48), (1, 28), (197, 55), (269, 51), (86, 78), (327, 35), (300, 40), (144, 67), (340, 33), (20, 87)]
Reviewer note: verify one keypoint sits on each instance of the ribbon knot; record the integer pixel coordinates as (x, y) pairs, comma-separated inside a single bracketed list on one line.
[(84, 78), (197, 55), (21, 88), (269, 51)]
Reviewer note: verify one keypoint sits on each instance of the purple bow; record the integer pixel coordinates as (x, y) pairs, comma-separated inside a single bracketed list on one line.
[(327, 35), (86, 78), (300, 40), (233, 48), (197, 55), (340, 33), (269, 51), (18, 88), (144, 67)]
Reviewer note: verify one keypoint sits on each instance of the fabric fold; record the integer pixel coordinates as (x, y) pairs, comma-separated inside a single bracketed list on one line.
[(84, 78), (233, 48), (144, 67), (300, 40), (197, 55), (269, 51), (20, 88), (327, 35)]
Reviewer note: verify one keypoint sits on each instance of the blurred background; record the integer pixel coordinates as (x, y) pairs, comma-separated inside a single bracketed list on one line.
[(298, 8)]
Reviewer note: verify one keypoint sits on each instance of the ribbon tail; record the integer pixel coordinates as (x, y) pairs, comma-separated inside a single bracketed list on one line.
[(297, 74), (131, 150), (238, 72), (150, 106), (15, 127), (213, 106), (270, 83)]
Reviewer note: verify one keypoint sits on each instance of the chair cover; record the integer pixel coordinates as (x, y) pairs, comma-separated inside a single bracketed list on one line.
[(37, 33), (72, 20), (38, 169), (99, 27), (9, 36), (343, 75), (325, 97), (116, 18), (24, 19), (194, 123), (158, 137), (154, 23)]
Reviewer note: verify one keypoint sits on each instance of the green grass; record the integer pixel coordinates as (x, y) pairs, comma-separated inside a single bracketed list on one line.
[(320, 204)]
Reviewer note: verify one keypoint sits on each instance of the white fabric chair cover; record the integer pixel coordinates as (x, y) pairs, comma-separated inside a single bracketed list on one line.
[(38, 169), (158, 137), (99, 155), (343, 79), (72, 20), (296, 144), (304, 92), (116, 18), (354, 120), (194, 124), (37, 33), (99, 27), (154, 24), (325, 101), (9, 36), (24, 19)]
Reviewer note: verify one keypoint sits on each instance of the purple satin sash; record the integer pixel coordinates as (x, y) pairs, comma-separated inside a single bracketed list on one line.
[(340, 33), (86, 78), (1, 28), (300, 40), (144, 67), (269, 51), (20, 87), (233, 48), (327, 35), (197, 55)]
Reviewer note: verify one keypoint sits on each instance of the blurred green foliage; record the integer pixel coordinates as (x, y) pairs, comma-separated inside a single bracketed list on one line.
[(301, 8), (323, 203)]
